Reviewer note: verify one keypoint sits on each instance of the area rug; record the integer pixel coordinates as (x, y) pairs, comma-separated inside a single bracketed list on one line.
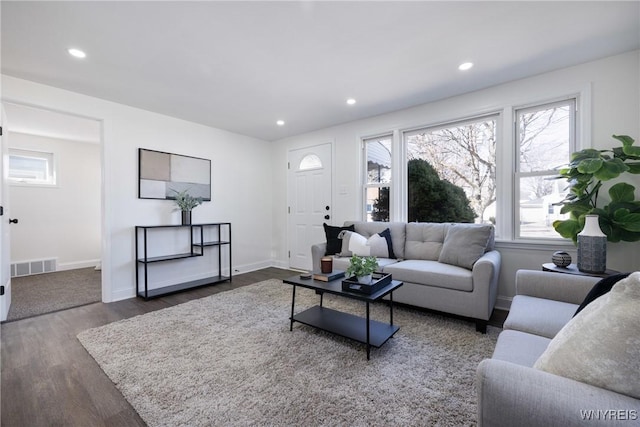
[(230, 360), (45, 293)]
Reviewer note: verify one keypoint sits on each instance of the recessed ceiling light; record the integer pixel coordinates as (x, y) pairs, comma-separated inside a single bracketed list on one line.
[(465, 66), (280, 122), (351, 101), (77, 53)]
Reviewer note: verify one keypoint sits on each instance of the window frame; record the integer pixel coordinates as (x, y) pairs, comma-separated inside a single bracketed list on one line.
[(365, 180), (573, 101), (50, 157)]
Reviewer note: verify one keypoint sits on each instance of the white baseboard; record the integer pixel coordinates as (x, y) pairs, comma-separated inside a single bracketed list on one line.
[(78, 264)]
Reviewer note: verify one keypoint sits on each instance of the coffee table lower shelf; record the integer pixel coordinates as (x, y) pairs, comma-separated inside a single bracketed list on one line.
[(346, 325)]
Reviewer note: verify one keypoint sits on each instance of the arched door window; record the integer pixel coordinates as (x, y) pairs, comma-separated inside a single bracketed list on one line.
[(310, 161)]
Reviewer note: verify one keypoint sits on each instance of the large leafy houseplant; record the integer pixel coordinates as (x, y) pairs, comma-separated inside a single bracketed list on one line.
[(588, 169)]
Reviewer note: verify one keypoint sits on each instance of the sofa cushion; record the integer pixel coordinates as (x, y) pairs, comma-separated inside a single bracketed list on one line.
[(538, 316), (464, 244), (432, 273), (334, 245), (600, 346), (424, 240), (520, 348), (601, 288)]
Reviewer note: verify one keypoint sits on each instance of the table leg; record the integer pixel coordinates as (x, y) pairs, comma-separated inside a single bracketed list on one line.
[(368, 343), (391, 308), (293, 303)]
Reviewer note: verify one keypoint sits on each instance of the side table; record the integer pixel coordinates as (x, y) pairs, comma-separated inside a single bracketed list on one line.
[(573, 269)]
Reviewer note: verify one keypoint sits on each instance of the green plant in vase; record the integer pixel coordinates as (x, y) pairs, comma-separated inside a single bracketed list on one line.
[(186, 202), (588, 169), (362, 268)]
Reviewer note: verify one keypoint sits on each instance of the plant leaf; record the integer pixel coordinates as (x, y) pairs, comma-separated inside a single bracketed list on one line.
[(625, 139), (568, 228), (622, 192), (611, 169), (590, 165)]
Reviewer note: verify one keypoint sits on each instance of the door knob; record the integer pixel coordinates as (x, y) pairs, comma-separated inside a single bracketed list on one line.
[(327, 208), (13, 221), (327, 217)]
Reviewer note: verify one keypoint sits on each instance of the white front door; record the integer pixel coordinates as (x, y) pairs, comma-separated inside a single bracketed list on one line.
[(5, 273), (309, 188)]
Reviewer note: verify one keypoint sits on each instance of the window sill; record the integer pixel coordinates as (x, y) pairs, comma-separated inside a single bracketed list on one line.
[(535, 245)]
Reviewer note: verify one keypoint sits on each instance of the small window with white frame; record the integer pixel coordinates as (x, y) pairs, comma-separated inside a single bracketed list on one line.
[(545, 138), (31, 167), (377, 183)]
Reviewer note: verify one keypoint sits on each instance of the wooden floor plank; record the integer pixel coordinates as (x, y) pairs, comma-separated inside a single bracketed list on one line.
[(48, 378)]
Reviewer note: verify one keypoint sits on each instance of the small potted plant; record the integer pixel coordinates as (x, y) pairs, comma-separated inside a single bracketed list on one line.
[(362, 268), (186, 202)]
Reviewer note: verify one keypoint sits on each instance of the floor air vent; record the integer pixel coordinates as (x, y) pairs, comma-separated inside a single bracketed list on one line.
[(33, 267)]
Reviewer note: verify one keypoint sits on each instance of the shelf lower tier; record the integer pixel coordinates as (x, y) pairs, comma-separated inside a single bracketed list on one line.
[(346, 325), (157, 292)]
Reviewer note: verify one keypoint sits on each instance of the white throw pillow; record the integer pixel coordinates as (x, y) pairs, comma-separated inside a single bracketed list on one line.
[(601, 344), (353, 244)]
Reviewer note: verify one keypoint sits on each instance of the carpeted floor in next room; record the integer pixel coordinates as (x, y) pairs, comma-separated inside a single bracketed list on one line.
[(45, 293)]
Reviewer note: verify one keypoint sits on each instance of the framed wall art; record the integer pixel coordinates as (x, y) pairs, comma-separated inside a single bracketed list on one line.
[(162, 175)]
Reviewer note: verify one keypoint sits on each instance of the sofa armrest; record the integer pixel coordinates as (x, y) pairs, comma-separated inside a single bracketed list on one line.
[(317, 252), (515, 395), (485, 281), (554, 286)]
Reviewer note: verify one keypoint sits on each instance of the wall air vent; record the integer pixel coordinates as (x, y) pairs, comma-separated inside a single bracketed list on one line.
[(29, 268)]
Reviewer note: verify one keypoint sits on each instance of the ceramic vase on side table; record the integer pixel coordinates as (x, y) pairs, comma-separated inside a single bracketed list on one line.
[(592, 247)]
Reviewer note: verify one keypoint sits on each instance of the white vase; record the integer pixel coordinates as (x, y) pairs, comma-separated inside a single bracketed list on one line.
[(592, 247), (365, 280)]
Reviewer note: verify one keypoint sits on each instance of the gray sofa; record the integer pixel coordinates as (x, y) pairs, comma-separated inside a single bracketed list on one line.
[(469, 290), (511, 391)]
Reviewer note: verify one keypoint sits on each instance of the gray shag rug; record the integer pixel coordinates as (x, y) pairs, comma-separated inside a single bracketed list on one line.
[(45, 293), (230, 360)]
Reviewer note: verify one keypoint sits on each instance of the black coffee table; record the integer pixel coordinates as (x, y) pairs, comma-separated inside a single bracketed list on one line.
[(364, 330)]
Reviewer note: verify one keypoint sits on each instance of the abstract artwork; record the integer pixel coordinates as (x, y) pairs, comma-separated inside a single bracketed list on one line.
[(162, 175)]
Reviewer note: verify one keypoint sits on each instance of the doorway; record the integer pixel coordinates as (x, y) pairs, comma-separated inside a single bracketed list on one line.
[(55, 199), (309, 186)]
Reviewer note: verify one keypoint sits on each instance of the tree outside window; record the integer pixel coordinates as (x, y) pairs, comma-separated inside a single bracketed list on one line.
[(464, 155)]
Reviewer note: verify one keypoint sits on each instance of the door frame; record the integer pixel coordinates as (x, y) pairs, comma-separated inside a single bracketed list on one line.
[(331, 144), (105, 256)]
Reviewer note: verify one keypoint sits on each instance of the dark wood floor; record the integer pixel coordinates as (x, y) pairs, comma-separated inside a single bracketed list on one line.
[(48, 378)]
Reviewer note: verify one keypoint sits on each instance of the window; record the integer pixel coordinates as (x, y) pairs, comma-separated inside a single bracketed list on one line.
[(31, 167), (545, 138), (451, 172), (310, 161), (377, 187)]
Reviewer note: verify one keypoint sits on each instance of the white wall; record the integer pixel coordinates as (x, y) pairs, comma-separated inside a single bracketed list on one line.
[(612, 90), (60, 222), (240, 169)]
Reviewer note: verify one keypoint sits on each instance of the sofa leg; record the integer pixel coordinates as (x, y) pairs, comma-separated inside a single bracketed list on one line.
[(481, 326)]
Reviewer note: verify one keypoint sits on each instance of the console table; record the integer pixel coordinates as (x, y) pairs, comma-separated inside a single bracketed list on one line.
[(573, 269), (197, 234)]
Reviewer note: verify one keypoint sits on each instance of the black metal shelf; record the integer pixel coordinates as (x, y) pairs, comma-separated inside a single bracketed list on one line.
[(196, 241), (154, 293), (347, 325)]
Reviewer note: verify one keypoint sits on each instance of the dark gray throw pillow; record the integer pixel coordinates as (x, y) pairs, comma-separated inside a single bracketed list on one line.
[(601, 288)]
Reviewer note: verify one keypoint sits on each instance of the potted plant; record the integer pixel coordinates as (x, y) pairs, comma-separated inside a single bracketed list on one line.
[(588, 169), (186, 202), (362, 268)]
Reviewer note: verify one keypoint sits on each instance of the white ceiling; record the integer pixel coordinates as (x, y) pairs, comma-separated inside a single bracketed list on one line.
[(242, 65)]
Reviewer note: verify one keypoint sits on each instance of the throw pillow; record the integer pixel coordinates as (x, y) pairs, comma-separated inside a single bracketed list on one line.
[(387, 236), (600, 345), (464, 244), (601, 288), (334, 245), (378, 245), (353, 243)]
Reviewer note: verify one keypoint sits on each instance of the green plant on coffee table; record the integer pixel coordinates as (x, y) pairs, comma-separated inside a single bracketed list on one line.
[(588, 169), (361, 266), (186, 201)]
